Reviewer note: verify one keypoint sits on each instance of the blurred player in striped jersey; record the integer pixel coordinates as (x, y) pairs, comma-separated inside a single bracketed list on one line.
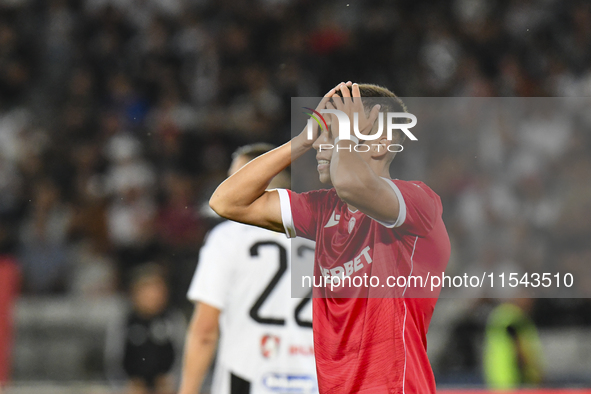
[(242, 289), (366, 225)]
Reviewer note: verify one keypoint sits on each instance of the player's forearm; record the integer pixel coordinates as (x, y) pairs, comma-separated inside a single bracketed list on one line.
[(199, 352), (233, 198)]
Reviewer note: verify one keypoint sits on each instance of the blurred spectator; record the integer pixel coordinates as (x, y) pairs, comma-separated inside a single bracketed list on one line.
[(145, 349), (10, 271), (512, 352), (43, 240), (15, 64), (9, 290), (93, 272), (131, 215), (178, 224)]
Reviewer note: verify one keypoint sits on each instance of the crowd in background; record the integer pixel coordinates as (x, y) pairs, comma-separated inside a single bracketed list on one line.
[(118, 118)]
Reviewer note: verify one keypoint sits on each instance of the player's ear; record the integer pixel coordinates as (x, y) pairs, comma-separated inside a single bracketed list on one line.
[(379, 148)]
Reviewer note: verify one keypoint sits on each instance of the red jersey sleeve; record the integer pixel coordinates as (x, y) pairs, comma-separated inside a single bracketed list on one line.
[(300, 212), (420, 207)]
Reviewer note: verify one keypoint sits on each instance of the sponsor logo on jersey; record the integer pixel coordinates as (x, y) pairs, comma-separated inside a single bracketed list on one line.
[(301, 350), (270, 346), (289, 383), (334, 219), (363, 259)]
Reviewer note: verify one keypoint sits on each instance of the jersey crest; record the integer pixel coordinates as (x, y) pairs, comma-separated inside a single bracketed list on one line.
[(270, 345)]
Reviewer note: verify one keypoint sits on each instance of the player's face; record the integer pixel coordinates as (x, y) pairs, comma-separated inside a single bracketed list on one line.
[(323, 156)]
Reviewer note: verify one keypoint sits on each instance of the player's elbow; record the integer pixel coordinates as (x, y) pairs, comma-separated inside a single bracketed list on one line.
[(216, 204), (347, 188), (221, 206), (344, 194), (357, 191), (207, 336), (204, 331)]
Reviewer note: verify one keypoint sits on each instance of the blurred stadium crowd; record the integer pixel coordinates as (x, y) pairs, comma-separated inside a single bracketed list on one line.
[(118, 118)]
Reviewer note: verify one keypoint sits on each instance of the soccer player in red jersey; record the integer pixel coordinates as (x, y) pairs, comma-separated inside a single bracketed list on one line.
[(367, 224)]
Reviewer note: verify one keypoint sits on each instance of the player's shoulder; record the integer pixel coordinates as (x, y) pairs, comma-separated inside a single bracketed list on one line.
[(224, 228), (318, 192), (414, 184), (230, 230), (320, 195), (223, 232)]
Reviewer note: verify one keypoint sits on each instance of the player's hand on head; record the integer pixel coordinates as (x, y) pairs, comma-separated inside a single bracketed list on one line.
[(334, 123), (315, 126), (347, 99), (366, 122)]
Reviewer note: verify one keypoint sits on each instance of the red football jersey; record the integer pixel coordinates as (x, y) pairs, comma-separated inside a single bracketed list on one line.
[(373, 341)]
